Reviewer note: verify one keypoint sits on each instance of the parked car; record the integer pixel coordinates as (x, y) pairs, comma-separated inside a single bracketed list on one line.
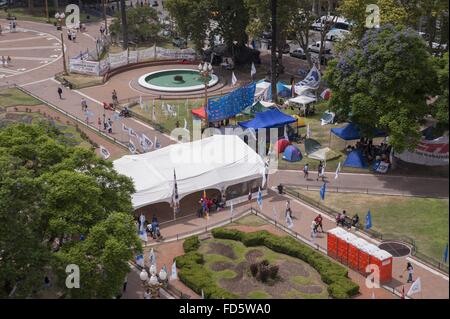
[(336, 34), (315, 47), (335, 22), (298, 53)]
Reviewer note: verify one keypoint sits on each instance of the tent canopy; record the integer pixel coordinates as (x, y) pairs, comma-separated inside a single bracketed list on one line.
[(257, 107), (355, 159), (268, 119), (302, 100), (283, 90), (324, 154), (200, 112), (214, 162), (351, 132), (311, 146)]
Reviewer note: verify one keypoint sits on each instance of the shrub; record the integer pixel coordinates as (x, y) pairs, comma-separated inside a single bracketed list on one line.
[(332, 274), (273, 271), (254, 269), (189, 259), (191, 244), (263, 273)]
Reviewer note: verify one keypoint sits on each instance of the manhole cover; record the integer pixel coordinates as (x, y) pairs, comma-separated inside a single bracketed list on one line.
[(395, 249)]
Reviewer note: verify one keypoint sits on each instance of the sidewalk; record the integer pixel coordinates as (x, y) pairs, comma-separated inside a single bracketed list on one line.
[(381, 184)]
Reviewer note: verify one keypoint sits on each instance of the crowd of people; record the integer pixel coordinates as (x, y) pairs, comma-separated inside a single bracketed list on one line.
[(370, 151), (208, 205)]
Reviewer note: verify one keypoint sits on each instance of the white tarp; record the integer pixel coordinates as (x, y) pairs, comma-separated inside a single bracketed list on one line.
[(428, 152), (214, 162), (302, 100), (310, 82)]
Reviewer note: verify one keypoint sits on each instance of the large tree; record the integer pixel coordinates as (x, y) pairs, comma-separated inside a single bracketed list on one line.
[(384, 83), (440, 106), (142, 25), (52, 191)]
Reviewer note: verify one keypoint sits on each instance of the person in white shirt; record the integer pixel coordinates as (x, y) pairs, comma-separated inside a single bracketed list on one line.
[(147, 294)]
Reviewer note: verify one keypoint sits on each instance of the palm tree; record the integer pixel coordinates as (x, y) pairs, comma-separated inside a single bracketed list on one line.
[(274, 59), (123, 16)]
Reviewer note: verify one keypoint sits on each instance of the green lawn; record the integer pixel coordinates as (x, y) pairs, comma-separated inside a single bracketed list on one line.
[(426, 220), (15, 97)]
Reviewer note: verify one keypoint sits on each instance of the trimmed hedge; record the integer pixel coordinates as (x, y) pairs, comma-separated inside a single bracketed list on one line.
[(331, 273), (191, 244), (194, 275)]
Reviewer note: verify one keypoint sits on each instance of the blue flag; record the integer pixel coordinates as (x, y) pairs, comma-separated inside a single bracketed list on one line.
[(368, 220), (323, 189), (446, 254)]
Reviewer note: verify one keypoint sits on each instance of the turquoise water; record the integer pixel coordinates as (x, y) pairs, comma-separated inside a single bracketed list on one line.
[(166, 79)]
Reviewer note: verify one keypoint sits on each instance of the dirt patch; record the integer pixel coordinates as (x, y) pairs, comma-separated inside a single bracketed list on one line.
[(222, 265), (252, 255), (287, 269), (310, 289), (221, 249)]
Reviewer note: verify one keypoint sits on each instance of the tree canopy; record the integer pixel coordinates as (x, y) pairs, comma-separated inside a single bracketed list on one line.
[(52, 191), (384, 83)]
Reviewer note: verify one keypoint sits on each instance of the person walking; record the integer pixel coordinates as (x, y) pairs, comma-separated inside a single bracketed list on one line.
[(110, 123), (3, 61), (60, 92), (319, 171), (410, 270), (8, 61), (306, 171), (83, 104), (125, 283)]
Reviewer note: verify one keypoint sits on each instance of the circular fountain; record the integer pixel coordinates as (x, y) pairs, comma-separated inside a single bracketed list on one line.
[(176, 80)]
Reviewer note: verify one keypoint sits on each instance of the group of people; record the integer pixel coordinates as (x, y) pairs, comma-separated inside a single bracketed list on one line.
[(72, 34), (152, 229), (320, 171), (207, 205), (6, 61), (371, 152), (342, 219)]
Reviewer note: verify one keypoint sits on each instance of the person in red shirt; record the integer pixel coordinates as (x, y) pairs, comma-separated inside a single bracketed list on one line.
[(318, 221)]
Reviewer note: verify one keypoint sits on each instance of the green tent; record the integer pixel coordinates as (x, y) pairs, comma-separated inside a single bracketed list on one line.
[(257, 107)]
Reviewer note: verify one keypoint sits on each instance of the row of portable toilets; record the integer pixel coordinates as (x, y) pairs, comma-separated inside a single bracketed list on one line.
[(357, 253)]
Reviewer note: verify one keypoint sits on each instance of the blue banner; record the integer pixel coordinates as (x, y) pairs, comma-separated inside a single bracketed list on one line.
[(231, 104)]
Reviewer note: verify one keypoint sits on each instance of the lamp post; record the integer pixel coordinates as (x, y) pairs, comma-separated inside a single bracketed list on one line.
[(154, 282), (59, 17), (46, 11), (205, 70)]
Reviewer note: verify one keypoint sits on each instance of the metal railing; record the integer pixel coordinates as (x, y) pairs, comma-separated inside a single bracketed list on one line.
[(372, 233)]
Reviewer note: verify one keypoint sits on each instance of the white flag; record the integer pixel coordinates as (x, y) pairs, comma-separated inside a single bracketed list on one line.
[(373, 294), (140, 260), (415, 287), (125, 128), (152, 257), (289, 222), (174, 274), (142, 219), (253, 71), (131, 147), (157, 143), (185, 124), (143, 235), (140, 102), (148, 144), (154, 111), (308, 132), (338, 170), (233, 79), (231, 209), (105, 153), (286, 137), (203, 294)]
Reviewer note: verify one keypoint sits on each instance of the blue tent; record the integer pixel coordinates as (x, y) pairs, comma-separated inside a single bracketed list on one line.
[(355, 159), (271, 118), (351, 132), (282, 90), (292, 154)]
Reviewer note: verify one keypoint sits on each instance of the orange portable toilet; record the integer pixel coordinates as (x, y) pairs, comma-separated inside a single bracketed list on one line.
[(364, 257), (343, 252), (353, 252), (383, 260), (332, 241)]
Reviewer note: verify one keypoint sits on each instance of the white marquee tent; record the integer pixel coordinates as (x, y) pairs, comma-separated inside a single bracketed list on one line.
[(215, 162)]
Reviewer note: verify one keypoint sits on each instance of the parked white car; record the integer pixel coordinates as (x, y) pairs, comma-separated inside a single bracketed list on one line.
[(315, 47), (337, 23), (336, 35)]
